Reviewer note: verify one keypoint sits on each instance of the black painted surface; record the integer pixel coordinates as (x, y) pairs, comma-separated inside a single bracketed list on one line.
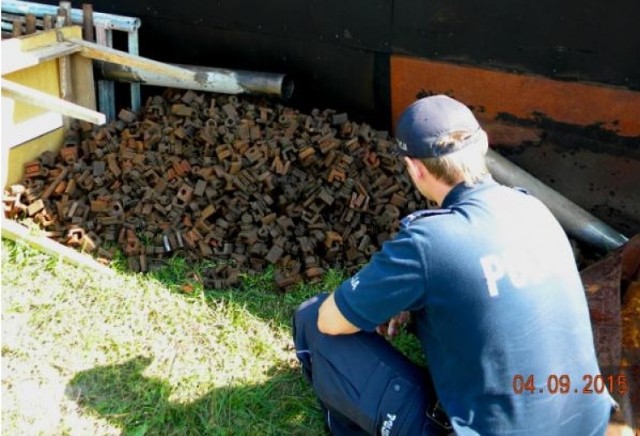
[(338, 51), (325, 75), (603, 183), (588, 40)]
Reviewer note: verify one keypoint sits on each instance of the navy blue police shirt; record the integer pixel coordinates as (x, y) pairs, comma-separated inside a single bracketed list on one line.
[(500, 309)]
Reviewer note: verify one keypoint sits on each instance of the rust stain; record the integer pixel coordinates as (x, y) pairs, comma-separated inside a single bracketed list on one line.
[(615, 320), (491, 92)]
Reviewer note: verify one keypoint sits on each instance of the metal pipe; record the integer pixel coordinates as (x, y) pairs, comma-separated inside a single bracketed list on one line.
[(109, 21), (577, 222), (7, 27), (134, 48), (205, 79)]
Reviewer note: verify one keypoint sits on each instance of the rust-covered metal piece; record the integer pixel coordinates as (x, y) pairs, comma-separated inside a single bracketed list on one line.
[(492, 93), (612, 286), (248, 184)]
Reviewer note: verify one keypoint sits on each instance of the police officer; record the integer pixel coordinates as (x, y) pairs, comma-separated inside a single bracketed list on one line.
[(495, 295)]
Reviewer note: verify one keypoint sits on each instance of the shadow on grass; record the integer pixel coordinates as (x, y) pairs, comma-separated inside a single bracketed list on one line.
[(284, 404), (139, 405)]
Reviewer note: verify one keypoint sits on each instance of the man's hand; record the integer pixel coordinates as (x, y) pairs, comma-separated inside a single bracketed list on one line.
[(394, 325)]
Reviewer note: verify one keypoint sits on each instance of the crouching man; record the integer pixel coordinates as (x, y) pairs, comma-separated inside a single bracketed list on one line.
[(491, 283)]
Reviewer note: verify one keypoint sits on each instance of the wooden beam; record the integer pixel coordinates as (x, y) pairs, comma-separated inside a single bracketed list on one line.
[(31, 50), (16, 59), (102, 53), (47, 101), (17, 232), (83, 83)]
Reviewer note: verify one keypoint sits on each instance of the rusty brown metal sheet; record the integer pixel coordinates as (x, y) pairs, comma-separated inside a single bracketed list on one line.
[(582, 140), (492, 92), (612, 286)]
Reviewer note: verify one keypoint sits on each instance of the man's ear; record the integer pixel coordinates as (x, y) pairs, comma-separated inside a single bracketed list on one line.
[(415, 168)]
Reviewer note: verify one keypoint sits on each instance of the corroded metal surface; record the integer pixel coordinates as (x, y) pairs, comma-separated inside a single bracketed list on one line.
[(492, 93), (612, 286), (246, 184), (583, 140)]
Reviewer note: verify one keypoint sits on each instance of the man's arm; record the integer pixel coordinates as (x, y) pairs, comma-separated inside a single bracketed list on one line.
[(331, 321), (392, 281)]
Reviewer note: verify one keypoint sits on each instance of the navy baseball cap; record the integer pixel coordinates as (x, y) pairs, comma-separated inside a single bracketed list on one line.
[(430, 121)]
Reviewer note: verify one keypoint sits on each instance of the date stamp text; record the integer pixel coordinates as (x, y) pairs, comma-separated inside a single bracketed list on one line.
[(563, 384)]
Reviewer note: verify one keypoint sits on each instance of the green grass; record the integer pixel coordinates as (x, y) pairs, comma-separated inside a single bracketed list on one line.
[(134, 354)]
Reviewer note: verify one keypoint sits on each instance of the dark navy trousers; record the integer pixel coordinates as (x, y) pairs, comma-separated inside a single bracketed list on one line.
[(364, 384)]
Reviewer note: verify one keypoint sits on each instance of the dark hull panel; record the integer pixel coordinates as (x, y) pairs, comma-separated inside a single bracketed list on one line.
[(338, 51)]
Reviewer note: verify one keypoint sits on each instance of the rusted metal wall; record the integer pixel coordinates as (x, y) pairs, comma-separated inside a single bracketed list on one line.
[(581, 139)]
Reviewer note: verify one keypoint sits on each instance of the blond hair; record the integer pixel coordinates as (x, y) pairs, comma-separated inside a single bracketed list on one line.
[(466, 164)]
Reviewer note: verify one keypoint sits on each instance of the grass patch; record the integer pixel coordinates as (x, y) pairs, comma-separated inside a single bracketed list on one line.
[(149, 354), (134, 354)]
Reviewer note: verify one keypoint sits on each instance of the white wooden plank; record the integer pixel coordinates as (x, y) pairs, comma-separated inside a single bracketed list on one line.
[(40, 99)]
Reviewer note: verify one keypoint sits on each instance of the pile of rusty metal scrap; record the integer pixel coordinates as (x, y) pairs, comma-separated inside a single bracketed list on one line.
[(244, 183)]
